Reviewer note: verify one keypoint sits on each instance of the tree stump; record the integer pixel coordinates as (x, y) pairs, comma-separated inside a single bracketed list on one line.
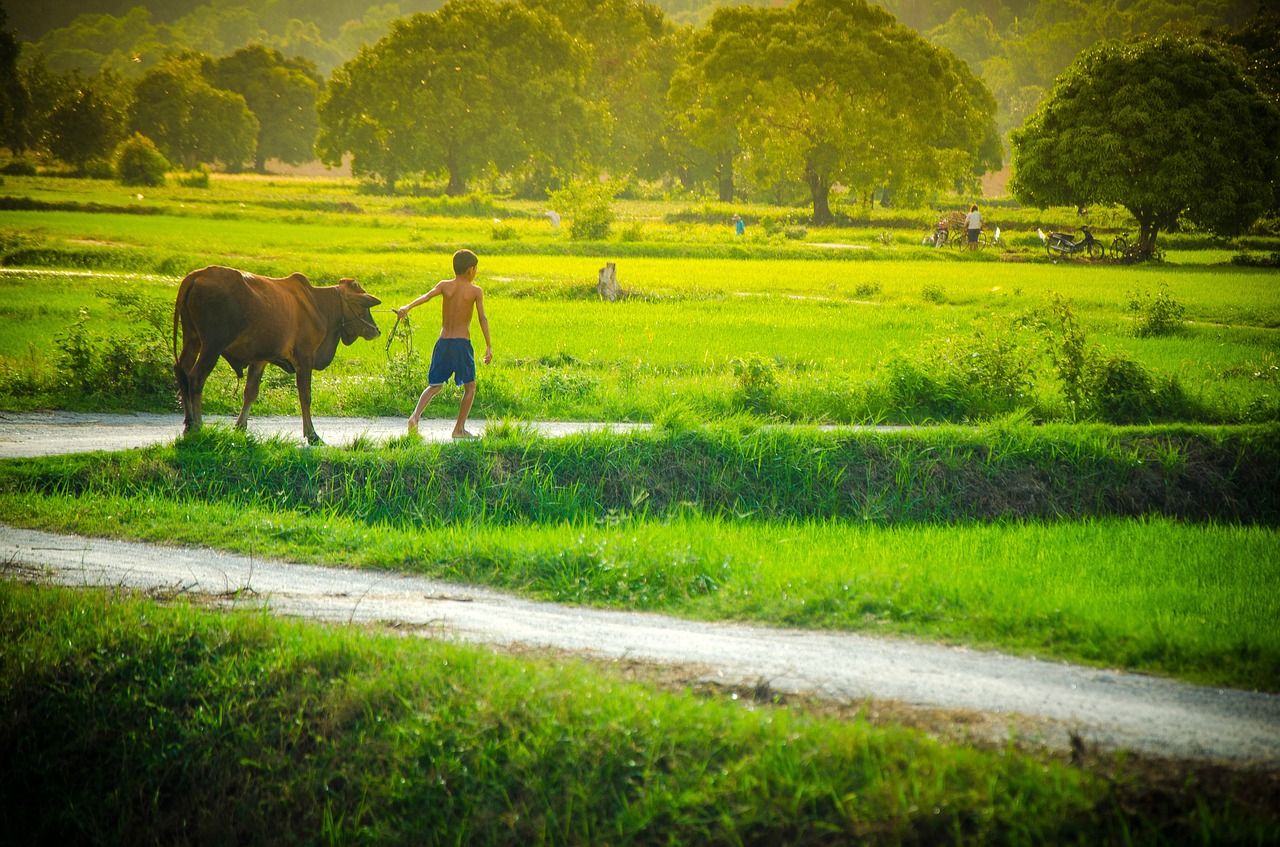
[(608, 285)]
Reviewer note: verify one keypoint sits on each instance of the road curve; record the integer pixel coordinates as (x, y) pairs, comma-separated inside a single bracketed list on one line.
[(1111, 709)]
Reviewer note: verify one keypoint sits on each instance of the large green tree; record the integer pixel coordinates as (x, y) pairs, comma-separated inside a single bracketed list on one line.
[(477, 84), (188, 119), (89, 119), (827, 91), (282, 95), (1166, 128)]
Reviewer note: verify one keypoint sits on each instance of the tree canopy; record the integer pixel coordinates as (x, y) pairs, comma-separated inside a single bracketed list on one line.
[(826, 91), (476, 84), (1166, 128), (282, 95), (190, 120)]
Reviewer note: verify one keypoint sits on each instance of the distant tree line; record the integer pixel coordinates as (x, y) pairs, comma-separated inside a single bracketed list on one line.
[(774, 102)]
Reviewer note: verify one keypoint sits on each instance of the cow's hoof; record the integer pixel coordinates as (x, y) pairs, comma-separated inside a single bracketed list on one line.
[(315, 440)]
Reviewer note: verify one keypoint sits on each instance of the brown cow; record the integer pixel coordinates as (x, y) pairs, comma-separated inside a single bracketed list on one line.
[(252, 321)]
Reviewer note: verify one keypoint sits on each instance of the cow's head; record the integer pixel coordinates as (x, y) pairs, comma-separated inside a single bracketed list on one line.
[(357, 322)]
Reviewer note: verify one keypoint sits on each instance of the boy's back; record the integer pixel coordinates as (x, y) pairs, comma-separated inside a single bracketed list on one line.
[(458, 298)]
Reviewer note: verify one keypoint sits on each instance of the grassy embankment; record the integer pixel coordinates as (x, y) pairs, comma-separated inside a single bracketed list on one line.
[(1072, 543), (131, 722)]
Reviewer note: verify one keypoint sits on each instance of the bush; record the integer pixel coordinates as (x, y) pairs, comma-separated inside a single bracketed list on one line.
[(19, 167), (502, 232), (1157, 314), (757, 383), (138, 162), (589, 207), (99, 169), (931, 293), (194, 179)]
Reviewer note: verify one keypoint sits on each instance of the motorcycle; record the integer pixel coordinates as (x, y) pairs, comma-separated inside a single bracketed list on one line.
[(1062, 244)]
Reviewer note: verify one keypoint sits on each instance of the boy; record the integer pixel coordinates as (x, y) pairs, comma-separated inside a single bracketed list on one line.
[(453, 354)]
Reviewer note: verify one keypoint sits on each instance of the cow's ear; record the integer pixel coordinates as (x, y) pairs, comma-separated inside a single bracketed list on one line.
[(366, 300)]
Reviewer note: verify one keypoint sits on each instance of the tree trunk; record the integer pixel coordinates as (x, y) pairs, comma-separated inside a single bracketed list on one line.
[(820, 190), (1147, 231), (457, 184), (260, 162), (724, 175)]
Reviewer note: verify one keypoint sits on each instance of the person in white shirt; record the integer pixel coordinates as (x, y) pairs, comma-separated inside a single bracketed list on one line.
[(973, 223)]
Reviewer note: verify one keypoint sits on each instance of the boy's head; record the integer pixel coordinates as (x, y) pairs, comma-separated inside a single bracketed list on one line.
[(463, 261)]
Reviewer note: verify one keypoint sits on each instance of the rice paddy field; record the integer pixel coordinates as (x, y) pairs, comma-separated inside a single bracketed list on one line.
[(1090, 474)]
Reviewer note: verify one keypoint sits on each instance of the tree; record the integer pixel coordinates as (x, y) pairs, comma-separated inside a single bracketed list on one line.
[(188, 119), (1166, 128), (474, 85), (282, 95), (826, 91), (14, 100), (89, 121), (632, 56)]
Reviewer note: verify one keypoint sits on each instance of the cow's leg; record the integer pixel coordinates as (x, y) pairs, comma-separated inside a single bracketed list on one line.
[(182, 372), (196, 376), (304, 400), (252, 382)]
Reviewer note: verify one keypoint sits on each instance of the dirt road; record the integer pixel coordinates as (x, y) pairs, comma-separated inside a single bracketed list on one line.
[(1049, 700)]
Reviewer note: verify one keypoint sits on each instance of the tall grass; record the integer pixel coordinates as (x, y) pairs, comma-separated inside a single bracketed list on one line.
[(237, 728)]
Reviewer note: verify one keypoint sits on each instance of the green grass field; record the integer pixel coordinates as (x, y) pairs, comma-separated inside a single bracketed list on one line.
[(1040, 523)]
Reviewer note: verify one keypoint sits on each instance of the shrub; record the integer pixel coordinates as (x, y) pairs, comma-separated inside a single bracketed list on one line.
[(1157, 314), (867, 289), (757, 383), (99, 169), (633, 231), (502, 232), (194, 179), (932, 293), (589, 207), (19, 167), (1256, 260), (138, 162), (796, 233)]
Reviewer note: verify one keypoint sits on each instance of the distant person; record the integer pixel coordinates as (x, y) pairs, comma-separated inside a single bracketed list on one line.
[(453, 354), (739, 225), (973, 223)]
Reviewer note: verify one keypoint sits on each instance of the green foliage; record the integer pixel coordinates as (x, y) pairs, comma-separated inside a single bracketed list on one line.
[(198, 178), (1158, 314), (757, 383), (588, 204), (823, 92), (356, 738), (19, 167), (129, 370), (503, 232), (1167, 128), (138, 162), (281, 93), (189, 120), (415, 103)]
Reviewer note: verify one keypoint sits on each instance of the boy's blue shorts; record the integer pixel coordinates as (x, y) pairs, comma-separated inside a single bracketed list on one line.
[(452, 357)]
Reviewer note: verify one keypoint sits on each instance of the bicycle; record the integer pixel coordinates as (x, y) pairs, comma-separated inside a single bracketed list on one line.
[(1122, 250), (1062, 244)]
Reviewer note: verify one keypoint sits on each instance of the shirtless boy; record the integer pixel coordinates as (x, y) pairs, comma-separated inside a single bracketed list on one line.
[(453, 354)]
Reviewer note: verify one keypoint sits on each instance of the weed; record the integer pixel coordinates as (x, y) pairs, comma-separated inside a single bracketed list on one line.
[(1157, 314), (757, 383), (933, 293), (868, 289)]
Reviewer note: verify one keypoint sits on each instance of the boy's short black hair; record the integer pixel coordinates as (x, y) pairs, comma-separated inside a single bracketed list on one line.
[(463, 261)]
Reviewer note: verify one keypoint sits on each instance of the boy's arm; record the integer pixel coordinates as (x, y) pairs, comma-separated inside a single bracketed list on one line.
[(435, 292), (484, 327)]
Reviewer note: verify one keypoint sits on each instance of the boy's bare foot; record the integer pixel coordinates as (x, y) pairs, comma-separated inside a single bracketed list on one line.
[(462, 433)]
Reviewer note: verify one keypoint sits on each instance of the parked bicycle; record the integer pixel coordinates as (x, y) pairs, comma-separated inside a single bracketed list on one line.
[(1062, 244), (1123, 250)]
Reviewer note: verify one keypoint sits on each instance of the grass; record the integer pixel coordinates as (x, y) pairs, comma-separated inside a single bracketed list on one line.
[(348, 737), (879, 533), (1147, 548)]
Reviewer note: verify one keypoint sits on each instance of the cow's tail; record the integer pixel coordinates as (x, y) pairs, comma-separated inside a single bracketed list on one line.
[(179, 306)]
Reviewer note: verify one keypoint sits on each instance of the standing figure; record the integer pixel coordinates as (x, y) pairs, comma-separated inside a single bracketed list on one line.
[(453, 354), (973, 223)]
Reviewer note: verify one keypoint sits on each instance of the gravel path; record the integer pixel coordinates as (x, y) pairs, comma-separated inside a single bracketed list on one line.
[(1111, 709)]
